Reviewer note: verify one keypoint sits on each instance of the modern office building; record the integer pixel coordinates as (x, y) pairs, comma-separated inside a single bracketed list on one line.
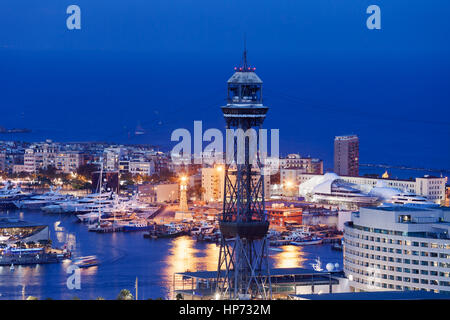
[(398, 248), (346, 155)]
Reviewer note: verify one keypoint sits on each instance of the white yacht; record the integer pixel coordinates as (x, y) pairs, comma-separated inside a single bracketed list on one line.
[(411, 200), (340, 192), (39, 201), (91, 202), (389, 195), (8, 195)]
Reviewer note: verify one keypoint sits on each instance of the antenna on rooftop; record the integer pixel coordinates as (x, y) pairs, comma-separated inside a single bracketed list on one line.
[(244, 62)]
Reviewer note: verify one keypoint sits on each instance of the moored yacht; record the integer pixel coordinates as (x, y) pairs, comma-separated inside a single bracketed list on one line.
[(8, 195), (91, 202), (39, 201), (411, 200)]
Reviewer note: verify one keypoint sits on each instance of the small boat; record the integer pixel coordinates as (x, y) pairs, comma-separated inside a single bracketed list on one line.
[(337, 246), (167, 231), (89, 217), (307, 241), (86, 262), (204, 228), (279, 242), (12, 267), (136, 226), (317, 266)]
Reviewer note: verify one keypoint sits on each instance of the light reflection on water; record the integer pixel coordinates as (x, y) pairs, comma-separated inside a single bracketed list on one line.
[(123, 257), (186, 255), (290, 257)]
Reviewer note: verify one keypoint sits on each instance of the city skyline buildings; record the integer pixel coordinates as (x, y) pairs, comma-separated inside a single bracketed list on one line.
[(346, 155)]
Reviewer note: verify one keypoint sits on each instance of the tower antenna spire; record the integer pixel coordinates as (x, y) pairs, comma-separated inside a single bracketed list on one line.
[(244, 63)]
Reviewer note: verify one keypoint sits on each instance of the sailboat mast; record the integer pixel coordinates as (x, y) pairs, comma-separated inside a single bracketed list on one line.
[(100, 183)]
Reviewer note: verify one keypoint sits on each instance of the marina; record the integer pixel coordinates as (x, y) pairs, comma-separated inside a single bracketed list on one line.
[(154, 262)]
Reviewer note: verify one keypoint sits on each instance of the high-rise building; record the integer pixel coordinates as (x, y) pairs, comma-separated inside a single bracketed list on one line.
[(346, 155), (398, 248)]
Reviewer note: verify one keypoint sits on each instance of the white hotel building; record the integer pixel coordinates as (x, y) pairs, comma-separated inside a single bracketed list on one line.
[(398, 248)]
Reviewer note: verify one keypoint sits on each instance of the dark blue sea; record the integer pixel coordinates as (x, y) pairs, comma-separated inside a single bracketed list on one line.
[(125, 257)]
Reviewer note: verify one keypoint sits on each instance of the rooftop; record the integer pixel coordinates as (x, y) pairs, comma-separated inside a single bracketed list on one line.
[(244, 77), (398, 208), (273, 272), (376, 295), (16, 223)]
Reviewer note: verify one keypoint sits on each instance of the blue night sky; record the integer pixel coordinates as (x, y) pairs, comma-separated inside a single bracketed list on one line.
[(164, 64)]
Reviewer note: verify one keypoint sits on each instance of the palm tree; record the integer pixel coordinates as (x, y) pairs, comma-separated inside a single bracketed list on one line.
[(125, 295)]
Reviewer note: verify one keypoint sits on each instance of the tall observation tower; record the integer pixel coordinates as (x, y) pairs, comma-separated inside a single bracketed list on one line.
[(243, 268)]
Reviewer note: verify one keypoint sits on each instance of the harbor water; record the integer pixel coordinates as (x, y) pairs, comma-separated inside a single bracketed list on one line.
[(123, 258)]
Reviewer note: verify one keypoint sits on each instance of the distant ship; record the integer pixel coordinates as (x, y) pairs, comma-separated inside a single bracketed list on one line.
[(14, 130), (139, 130)]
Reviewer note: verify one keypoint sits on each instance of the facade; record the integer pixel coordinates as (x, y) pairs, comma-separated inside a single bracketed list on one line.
[(18, 168), (346, 155), (68, 161), (167, 192), (11, 160), (40, 156), (447, 196), (294, 163), (307, 165), (281, 215), (213, 183), (111, 158), (163, 192), (398, 248), (137, 166), (432, 188), (2, 162), (161, 161)]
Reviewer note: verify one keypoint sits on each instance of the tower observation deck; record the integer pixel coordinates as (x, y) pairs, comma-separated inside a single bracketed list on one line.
[(243, 268)]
